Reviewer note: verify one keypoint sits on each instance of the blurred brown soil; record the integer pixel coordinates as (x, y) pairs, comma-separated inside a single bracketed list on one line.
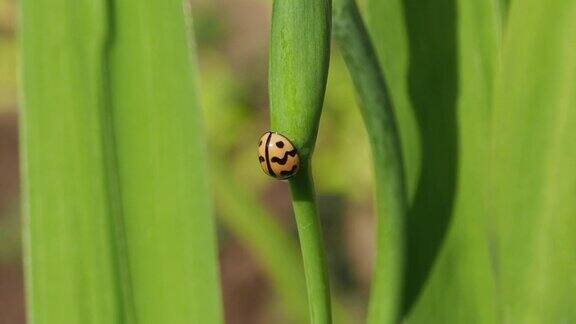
[(11, 294), (11, 278)]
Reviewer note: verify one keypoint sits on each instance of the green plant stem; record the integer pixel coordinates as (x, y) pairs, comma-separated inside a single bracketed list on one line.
[(299, 58), (273, 247), (379, 119), (312, 245)]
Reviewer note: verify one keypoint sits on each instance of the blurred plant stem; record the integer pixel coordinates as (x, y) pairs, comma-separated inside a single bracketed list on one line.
[(379, 119)]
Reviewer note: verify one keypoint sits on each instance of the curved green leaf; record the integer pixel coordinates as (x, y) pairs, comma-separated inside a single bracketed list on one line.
[(440, 59)]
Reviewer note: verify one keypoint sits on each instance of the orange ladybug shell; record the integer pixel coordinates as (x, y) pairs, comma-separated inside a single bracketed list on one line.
[(278, 156)]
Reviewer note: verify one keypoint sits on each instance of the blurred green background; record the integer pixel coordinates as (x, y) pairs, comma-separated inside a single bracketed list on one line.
[(232, 39)]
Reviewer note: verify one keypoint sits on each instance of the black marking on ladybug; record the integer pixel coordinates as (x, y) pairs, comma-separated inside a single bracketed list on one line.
[(283, 160), (280, 144), (261, 158), (285, 173), (268, 155)]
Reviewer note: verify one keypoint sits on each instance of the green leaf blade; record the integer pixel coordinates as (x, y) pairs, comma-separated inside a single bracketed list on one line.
[(162, 167), (120, 226), (70, 247)]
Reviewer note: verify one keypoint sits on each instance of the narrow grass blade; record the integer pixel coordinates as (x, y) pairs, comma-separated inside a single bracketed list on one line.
[(389, 35), (71, 259), (169, 227), (380, 122)]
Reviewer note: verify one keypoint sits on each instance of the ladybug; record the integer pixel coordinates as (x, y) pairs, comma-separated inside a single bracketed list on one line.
[(278, 156)]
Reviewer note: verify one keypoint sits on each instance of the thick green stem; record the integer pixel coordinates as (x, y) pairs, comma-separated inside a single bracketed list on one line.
[(391, 201), (299, 57), (312, 245)]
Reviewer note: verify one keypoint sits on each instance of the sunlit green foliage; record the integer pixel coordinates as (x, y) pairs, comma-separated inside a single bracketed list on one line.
[(487, 84), (483, 91)]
